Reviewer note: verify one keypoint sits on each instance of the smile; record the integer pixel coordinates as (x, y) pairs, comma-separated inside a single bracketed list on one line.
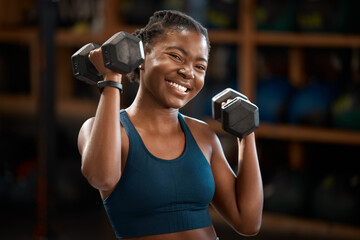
[(178, 86)]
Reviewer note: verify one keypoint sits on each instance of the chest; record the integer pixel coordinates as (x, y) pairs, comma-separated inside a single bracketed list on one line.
[(167, 185), (169, 147), (165, 171), (164, 146)]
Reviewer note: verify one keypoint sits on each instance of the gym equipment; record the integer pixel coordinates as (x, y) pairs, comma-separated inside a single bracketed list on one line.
[(276, 15), (286, 192), (82, 67), (346, 111), (221, 14), (311, 105), (335, 199), (238, 116), (122, 53), (322, 16), (273, 97)]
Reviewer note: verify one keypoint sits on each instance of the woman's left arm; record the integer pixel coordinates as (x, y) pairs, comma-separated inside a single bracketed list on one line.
[(238, 197)]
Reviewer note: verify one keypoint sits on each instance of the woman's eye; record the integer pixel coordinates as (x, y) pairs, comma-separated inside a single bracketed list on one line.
[(175, 56), (201, 68)]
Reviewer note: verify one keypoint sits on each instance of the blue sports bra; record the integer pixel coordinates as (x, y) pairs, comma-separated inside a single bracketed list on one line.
[(156, 196)]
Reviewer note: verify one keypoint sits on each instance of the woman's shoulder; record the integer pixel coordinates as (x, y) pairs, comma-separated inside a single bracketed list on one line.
[(195, 122), (199, 128)]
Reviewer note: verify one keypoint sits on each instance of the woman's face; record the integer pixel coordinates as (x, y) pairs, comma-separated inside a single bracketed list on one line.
[(174, 69)]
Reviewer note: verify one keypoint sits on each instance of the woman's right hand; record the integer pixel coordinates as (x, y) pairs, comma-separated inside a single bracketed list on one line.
[(95, 57)]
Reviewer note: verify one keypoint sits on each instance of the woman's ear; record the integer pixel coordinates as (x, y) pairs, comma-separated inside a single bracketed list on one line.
[(142, 65)]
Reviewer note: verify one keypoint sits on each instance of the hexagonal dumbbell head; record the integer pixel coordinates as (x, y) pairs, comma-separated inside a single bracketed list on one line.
[(82, 67), (239, 117), (123, 52)]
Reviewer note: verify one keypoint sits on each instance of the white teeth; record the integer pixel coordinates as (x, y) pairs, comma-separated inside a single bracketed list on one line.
[(181, 88)]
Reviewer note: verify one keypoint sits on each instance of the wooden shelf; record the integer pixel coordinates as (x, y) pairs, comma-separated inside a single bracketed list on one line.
[(299, 133), (285, 224), (225, 36), (23, 104), (19, 36), (18, 104), (69, 38), (308, 134), (307, 40), (76, 108)]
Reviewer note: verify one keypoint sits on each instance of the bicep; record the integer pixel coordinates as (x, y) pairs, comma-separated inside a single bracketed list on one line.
[(224, 200)]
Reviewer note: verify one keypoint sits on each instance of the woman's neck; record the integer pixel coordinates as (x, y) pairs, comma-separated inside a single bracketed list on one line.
[(147, 114)]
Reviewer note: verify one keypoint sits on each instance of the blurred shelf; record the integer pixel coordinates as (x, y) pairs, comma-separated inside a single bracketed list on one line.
[(307, 39), (76, 108), (19, 36), (18, 104), (70, 38), (300, 133), (313, 228), (225, 36), (308, 134), (21, 103)]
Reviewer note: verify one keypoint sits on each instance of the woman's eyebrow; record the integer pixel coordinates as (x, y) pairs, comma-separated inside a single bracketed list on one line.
[(186, 53)]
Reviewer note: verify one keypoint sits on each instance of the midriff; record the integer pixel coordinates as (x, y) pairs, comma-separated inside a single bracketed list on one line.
[(206, 233)]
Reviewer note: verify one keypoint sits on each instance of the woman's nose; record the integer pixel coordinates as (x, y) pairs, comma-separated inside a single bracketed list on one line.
[(186, 73)]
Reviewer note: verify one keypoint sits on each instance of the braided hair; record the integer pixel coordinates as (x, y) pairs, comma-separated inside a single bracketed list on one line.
[(161, 22)]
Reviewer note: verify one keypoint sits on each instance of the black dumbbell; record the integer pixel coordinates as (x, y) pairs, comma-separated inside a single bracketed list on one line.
[(122, 53), (82, 67), (238, 116)]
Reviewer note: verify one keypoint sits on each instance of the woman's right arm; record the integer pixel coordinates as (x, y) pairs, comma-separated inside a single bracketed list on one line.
[(99, 139)]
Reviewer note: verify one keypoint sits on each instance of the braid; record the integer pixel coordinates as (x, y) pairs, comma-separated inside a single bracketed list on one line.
[(159, 23)]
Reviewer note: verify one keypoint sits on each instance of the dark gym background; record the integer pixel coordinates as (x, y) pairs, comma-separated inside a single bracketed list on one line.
[(299, 61)]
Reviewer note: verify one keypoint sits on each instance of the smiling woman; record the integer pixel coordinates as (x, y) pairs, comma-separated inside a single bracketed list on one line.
[(174, 68), (157, 170)]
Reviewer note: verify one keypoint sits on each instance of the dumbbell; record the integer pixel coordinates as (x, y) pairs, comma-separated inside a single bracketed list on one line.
[(238, 116), (122, 53)]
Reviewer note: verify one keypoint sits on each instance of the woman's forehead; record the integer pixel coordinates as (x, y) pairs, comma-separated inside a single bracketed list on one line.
[(184, 37)]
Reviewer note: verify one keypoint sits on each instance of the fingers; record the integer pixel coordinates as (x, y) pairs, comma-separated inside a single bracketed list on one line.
[(96, 58), (227, 101)]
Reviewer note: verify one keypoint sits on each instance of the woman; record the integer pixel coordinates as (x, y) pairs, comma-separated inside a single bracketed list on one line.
[(157, 170)]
